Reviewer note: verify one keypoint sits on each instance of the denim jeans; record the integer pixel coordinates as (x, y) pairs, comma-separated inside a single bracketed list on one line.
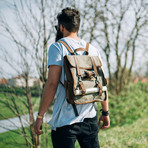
[(85, 132)]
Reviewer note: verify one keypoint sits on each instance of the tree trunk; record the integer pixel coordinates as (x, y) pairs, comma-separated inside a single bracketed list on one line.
[(33, 135), (46, 135), (118, 75)]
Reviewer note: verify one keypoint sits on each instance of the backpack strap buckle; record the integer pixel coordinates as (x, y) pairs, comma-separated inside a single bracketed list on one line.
[(81, 86)]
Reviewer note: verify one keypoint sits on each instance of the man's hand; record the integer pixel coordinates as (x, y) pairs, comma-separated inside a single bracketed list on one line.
[(38, 126), (106, 122)]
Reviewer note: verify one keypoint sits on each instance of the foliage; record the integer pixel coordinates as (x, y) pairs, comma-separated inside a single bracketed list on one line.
[(14, 139), (35, 91), (130, 105), (6, 112)]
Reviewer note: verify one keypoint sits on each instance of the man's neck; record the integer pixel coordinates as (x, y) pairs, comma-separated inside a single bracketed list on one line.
[(72, 35)]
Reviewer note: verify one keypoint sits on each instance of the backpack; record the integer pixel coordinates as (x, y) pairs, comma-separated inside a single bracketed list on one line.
[(85, 78)]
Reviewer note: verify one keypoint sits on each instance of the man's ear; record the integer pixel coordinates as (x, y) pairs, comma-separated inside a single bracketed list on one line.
[(61, 28)]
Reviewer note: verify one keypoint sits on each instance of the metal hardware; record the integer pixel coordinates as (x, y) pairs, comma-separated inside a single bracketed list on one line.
[(79, 79), (96, 81)]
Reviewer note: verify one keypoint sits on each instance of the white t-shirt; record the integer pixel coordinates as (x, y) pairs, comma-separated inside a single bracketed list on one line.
[(63, 113)]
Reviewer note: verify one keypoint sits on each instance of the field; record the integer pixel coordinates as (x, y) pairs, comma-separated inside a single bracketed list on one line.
[(5, 111), (129, 122), (133, 135)]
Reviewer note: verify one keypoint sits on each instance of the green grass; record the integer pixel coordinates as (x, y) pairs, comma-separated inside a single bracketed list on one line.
[(129, 122), (11, 140), (14, 139), (133, 135), (130, 105), (5, 111)]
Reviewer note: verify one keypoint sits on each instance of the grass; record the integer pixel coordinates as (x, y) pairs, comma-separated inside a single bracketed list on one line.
[(130, 105), (5, 111), (128, 114), (133, 135), (13, 139)]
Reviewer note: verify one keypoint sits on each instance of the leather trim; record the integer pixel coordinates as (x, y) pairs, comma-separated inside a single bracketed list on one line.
[(77, 66), (100, 89), (105, 81), (81, 66), (67, 47), (80, 49), (99, 61), (87, 47), (94, 66), (73, 80)]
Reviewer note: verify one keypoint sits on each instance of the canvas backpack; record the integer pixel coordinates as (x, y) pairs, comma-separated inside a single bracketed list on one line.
[(85, 78)]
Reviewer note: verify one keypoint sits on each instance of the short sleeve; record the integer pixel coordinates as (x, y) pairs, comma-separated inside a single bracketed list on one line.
[(54, 55)]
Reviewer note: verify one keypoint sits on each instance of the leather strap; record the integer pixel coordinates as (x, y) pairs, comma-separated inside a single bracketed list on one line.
[(75, 110), (94, 66), (100, 89), (77, 66), (87, 47), (89, 74), (79, 74), (96, 73), (73, 105), (80, 49), (82, 88), (67, 47), (105, 81)]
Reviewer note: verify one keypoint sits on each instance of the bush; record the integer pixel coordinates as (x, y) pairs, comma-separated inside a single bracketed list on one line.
[(130, 105), (35, 91)]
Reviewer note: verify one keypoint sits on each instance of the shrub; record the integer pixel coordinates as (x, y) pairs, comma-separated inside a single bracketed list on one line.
[(35, 91), (130, 105)]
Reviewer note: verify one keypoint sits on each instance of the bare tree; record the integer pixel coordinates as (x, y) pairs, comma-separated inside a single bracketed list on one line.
[(125, 41), (117, 28), (35, 23)]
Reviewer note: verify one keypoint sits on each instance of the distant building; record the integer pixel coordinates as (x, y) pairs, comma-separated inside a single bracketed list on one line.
[(144, 80), (19, 81), (3, 81), (140, 79)]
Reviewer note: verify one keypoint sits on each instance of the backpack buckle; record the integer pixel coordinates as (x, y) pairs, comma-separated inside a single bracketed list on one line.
[(96, 81), (79, 79)]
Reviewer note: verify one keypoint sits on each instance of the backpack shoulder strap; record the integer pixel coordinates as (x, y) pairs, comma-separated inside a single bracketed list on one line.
[(69, 49), (66, 45), (87, 47), (83, 49), (79, 49)]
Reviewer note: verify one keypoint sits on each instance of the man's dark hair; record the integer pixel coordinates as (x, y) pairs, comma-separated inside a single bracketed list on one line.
[(70, 19)]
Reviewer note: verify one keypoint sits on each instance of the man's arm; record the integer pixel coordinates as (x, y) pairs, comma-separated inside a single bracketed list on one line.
[(105, 119), (48, 94)]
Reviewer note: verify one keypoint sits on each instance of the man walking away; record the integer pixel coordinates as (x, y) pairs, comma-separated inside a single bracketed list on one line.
[(66, 126)]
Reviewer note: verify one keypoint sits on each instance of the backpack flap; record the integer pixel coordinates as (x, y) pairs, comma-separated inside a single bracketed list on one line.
[(83, 78), (84, 61)]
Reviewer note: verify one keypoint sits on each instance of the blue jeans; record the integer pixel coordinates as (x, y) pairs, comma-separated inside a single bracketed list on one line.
[(85, 132)]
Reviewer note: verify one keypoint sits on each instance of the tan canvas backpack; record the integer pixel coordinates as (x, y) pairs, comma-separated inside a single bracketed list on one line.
[(85, 79)]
